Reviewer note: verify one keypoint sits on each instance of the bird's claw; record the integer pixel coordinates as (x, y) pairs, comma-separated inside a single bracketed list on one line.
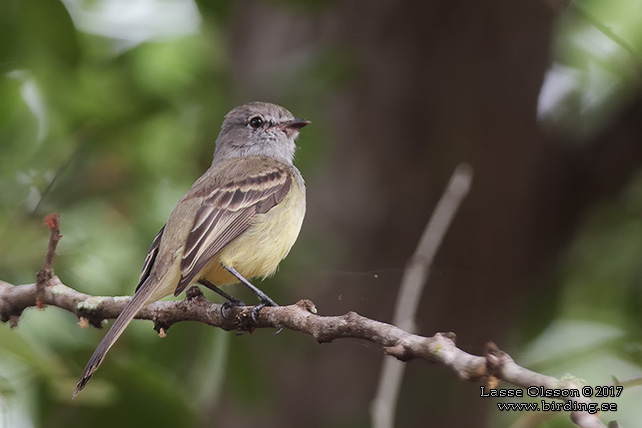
[(255, 311), (227, 306)]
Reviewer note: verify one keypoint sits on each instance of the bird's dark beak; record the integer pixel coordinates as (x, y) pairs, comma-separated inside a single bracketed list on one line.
[(295, 124), (292, 126)]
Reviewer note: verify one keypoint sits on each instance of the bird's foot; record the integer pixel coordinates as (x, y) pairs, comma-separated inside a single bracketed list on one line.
[(254, 315), (227, 306)]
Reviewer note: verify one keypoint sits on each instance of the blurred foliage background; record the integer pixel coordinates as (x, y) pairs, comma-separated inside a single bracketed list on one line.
[(109, 110)]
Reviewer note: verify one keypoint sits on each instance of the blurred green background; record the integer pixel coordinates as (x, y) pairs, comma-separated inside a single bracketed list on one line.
[(109, 110)]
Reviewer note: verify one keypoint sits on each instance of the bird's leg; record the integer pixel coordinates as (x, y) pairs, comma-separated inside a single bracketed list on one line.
[(231, 300), (265, 300)]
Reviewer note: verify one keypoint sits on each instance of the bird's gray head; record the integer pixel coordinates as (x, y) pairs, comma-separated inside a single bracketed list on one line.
[(259, 129)]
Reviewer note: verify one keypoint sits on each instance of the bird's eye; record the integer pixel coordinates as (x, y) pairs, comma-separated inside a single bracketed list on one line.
[(256, 122)]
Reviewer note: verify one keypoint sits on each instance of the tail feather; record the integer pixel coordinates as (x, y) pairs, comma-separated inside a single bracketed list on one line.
[(135, 304)]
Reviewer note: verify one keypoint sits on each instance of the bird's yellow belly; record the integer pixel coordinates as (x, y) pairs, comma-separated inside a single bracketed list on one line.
[(260, 249)]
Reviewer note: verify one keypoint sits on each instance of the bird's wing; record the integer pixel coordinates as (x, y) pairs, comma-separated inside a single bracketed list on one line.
[(150, 258), (225, 213)]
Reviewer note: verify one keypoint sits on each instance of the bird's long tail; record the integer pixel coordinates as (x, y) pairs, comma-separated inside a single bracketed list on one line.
[(135, 304)]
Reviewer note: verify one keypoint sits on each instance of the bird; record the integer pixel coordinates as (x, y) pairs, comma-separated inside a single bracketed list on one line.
[(236, 222)]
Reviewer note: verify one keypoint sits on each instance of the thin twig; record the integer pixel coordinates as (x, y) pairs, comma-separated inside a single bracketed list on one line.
[(43, 278), (412, 285), (627, 383)]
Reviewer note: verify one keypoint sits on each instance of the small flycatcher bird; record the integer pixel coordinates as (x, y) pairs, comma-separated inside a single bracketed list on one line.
[(238, 221)]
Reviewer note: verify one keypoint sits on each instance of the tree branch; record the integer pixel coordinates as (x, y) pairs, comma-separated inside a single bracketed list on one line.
[(441, 349)]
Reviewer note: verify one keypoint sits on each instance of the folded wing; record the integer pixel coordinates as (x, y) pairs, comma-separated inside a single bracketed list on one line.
[(225, 213)]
